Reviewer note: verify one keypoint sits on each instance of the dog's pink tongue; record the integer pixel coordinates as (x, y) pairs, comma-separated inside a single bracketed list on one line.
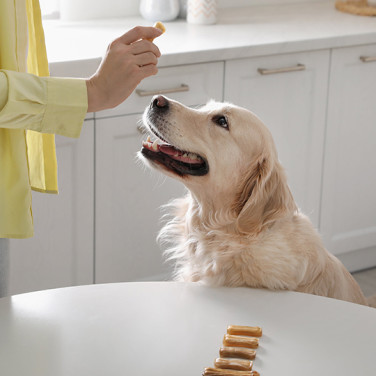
[(177, 154), (168, 149)]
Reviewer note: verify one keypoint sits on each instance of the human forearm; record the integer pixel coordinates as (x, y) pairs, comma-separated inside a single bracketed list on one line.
[(43, 104)]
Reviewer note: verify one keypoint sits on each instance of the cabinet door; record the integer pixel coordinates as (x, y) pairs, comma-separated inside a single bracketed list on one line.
[(61, 252), (348, 213), (128, 201), (292, 104)]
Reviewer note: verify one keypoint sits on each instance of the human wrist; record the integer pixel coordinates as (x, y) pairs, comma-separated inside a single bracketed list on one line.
[(96, 100)]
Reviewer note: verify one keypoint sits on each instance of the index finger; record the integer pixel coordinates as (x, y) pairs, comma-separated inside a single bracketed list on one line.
[(140, 32)]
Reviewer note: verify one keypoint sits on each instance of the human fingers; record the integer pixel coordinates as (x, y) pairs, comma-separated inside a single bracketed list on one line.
[(143, 46), (148, 70), (139, 32), (145, 59)]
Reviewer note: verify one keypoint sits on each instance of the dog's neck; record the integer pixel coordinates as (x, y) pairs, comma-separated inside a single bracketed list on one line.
[(263, 204), (212, 212)]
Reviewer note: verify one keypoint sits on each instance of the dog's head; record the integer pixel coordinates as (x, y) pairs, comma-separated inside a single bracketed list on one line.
[(223, 154)]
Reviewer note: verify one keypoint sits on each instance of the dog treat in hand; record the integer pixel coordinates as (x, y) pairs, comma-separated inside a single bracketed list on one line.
[(227, 372), (158, 25), (252, 331), (235, 364), (237, 352), (240, 341)]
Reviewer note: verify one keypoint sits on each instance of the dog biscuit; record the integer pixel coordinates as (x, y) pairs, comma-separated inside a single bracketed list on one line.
[(237, 352), (240, 341), (227, 372), (235, 364), (158, 25), (252, 331)]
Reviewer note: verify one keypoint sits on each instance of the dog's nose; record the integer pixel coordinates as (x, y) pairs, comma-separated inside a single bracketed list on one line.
[(160, 102)]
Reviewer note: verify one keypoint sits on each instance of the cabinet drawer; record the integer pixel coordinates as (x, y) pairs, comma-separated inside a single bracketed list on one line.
[(190, 84)]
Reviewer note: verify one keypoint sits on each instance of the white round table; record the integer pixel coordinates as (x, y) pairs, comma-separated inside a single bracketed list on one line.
[(176, 329)]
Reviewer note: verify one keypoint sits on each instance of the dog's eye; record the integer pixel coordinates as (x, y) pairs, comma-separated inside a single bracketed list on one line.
[(221, 121)]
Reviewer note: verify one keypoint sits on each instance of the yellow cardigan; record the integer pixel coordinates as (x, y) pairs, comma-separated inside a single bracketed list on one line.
[(33, 107)]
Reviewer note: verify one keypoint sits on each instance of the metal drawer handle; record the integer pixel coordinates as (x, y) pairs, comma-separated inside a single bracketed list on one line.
[(147, 93), (367, 59), (295, 68)]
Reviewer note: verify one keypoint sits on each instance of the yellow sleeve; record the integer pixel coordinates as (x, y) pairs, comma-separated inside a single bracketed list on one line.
[(3, 90), (42, 104)]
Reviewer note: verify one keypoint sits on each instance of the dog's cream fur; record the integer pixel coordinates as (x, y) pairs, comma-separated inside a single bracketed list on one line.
[(239, 224)]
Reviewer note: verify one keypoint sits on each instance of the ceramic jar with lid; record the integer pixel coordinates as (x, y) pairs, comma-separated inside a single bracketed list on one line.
[(202, 11), (159, 10)]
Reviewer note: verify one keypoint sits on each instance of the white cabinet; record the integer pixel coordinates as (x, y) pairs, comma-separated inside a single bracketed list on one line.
[(128, 201), (288, 92), (128, 195), (61, 252), (348, 210)]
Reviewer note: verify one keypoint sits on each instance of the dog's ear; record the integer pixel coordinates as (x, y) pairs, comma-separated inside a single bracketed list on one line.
[(264, 198)]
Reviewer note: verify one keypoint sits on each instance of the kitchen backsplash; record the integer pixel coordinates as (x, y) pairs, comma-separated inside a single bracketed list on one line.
[(242, 3), (87, 9)]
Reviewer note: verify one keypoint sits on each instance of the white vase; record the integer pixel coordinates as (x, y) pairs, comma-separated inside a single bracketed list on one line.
[(159, 10), (202, 11)]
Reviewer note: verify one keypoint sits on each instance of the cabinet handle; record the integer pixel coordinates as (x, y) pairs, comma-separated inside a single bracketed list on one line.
[(147, 93), (295, 68), (367, 59)]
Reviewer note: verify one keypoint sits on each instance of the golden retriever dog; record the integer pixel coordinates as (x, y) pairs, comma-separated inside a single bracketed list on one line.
[(238, 224)]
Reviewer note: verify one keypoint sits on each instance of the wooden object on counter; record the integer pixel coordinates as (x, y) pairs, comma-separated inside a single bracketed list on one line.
[(359, 8)]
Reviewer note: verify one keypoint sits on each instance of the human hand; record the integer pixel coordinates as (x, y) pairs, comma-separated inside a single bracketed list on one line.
[(128, 60)]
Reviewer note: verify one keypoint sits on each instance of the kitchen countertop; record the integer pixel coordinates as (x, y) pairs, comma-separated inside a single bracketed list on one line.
[(239, 33)]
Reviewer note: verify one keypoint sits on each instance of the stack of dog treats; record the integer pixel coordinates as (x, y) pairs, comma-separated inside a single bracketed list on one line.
[(238, 352)]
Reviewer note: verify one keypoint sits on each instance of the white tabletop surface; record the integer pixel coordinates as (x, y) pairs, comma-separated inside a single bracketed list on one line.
[(239, 32), (170, 329)]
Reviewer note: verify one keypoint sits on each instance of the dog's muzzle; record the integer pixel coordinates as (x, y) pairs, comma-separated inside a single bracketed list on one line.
[(161, 151)]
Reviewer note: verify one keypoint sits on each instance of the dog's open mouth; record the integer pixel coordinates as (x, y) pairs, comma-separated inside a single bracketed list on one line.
[(178, 161)]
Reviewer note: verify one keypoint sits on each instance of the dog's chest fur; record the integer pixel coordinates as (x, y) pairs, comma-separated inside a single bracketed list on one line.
[(215, 257)]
